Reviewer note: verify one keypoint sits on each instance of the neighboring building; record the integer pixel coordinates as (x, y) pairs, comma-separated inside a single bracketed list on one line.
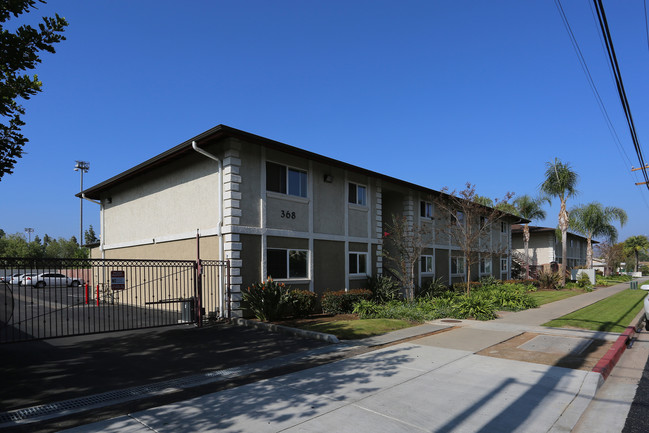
[(545, 246), (272, 209)]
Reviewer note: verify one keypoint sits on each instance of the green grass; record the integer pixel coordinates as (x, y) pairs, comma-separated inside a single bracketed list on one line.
[(356, 329), (547, 296), (612, 314)]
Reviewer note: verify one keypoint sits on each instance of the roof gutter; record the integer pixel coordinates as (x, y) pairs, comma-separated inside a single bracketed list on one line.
[(219, 226)]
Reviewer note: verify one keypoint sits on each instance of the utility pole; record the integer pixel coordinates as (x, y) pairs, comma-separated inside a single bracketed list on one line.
[(81, 167)]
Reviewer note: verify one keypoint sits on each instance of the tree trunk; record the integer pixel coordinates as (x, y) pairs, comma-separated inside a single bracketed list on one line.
[(563, 225), (468, 277), (635, 252), (589, 252), (526, 241)]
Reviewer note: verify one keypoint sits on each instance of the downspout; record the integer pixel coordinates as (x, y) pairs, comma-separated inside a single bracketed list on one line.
[(220, 217), (101, 229)]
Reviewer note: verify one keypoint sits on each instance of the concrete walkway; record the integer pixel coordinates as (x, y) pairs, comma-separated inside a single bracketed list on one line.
[(435, 383)]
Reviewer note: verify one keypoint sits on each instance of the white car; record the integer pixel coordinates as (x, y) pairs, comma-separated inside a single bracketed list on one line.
[(50, 279), (16, 279)]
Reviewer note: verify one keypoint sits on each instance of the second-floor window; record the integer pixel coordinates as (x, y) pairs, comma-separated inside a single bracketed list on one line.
[(357, 194), (286, 180), (425, 209)]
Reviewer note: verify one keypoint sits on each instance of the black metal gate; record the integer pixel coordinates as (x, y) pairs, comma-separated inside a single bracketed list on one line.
[(64, 297)]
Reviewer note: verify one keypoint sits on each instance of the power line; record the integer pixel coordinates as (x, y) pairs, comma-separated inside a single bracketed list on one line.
[(591, 82), (620, 86)]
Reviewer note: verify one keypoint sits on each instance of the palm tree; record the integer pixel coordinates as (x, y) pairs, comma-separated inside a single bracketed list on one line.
[(594, 220), (561, 182), (636, 244), (530, 209)]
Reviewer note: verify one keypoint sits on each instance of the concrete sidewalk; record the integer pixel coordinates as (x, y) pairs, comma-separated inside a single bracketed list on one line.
[(438, 382)]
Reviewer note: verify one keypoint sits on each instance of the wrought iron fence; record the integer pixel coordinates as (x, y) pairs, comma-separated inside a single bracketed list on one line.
[(63, 297)]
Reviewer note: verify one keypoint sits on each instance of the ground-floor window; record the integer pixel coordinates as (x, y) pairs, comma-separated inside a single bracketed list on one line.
[(285, 263), (457, 265), (503, 265), (357, 263), (426, 265), (485, 266)]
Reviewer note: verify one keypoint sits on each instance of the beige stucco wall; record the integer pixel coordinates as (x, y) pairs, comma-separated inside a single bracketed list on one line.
[(165, 203), (175, 250)]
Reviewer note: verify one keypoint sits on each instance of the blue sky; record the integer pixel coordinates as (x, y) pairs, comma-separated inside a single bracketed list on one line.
[(435, 93)]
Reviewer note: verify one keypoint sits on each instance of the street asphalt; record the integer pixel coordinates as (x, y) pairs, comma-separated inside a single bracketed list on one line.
[(446, 376)]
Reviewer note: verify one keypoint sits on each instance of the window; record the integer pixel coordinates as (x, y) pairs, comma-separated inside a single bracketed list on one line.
[(457, 265), (426, 209), (459, 217), (426, 265), (286, 263), (503, 265), (485, 266), (358, 263), (357, 194), (285, 180), (503, 227)]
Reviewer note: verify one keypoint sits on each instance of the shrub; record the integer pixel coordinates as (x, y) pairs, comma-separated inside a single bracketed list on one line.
[(384, 288), (342, 302), (478, 307), (301, 302), (490, 281), (461, 287), (583, 281), (549, 280), (512, 299), (437, 287), (267, 300)]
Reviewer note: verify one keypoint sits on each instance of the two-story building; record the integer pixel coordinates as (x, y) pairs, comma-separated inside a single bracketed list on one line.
[(545, 246), (273, 210)]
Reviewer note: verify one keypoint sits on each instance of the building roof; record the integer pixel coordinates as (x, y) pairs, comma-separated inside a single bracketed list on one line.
[(518, 228), (220, 132)]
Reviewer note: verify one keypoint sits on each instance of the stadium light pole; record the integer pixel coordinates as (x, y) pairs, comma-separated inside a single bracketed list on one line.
[(81, 167), (29, 232)]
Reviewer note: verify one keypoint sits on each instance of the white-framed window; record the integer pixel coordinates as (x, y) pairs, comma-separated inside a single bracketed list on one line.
[(425, 209), (286, 180), (485, 266), (357, 194), (457, 265), (357, 263), (503, 264), (503, 227), (459, 217), (287, 263), (427, 265)]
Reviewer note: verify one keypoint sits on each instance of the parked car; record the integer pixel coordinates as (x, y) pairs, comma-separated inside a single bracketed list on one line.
[(16, 279), (49, 279)]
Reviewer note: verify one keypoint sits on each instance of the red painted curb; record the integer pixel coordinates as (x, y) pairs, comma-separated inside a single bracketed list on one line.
[(608, 361)]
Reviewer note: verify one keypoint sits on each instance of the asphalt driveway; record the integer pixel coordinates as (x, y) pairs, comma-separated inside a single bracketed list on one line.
[(59, 369)]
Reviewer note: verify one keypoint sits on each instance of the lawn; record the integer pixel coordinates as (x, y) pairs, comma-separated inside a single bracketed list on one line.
[(356, 329), (547, 296), (612, 314)]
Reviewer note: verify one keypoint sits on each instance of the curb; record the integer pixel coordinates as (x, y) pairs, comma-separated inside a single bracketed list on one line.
[(610, 359), (329, 338)]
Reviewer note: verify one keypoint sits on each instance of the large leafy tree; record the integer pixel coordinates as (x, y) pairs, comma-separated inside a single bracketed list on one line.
[(20, 52), (561, 182), (596, 221), (531, 209), (635, 245)]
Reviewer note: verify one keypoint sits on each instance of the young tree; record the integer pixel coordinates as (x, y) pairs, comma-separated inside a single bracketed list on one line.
[(612, 254), (469, 224), (635, 245), (561, 182), (594, 220), (530, 209), (407, 240), (20, 52)]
